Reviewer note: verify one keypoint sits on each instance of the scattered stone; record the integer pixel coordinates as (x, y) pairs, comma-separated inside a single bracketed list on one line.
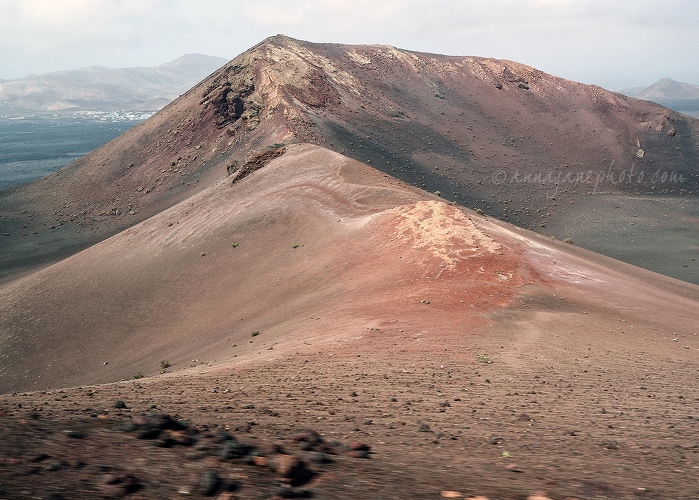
[(120, 404), (149, 434), (151, 426), (210, 483), (234, 449), (293, 493), (54, 466), (320, 458), (291, 469), (39, 458), (451, 494), (257, 160), (357, 446), (307, 435), (119, 485), (169, 438), (284, 464), (125, 426), (222, 436), (232, 167), (358, 453)]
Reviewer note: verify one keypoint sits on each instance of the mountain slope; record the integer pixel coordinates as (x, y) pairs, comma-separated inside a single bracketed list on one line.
[(287, 286), (309, 248), (493, 135), (100, 88), (317, 293)]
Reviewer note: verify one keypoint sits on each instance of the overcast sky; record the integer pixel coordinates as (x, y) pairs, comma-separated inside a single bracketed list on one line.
[(612, 43)]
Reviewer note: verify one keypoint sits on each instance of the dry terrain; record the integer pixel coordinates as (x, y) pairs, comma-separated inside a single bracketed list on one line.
[(397, 345), (220, 303), (493, 135)]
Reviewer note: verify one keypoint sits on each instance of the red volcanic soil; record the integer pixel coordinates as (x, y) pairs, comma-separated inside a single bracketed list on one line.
[(333, 331)]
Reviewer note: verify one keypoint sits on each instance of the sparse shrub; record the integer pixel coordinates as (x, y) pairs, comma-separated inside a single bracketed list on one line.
[(569, 241), (235, 245), (165, 364), (484, 358), (137, 375), (295, 245), (255, 333), (438, 193), (479, 211)]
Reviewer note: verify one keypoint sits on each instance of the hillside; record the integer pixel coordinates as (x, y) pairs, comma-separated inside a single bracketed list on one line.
[(492, 135), (317, 293), (258, 293)]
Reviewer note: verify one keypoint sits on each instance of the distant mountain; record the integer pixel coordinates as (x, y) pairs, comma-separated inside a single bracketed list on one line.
[(678, 96), (101, 88), (669, 89)]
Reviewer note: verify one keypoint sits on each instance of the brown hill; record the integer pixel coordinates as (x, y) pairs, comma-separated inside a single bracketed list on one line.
[(493, 135), (325, 328), (311, 235), (318, 293)]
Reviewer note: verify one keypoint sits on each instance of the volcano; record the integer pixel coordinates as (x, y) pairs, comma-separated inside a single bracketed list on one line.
[(495, 136), (268, 262)]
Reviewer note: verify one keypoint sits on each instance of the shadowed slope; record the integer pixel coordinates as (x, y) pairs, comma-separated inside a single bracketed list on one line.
[(314, 247)]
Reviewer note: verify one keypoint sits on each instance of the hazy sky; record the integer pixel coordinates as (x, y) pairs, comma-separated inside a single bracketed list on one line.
[(612, 43)]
